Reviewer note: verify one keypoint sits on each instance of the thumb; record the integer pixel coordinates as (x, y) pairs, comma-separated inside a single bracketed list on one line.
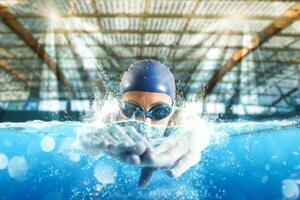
[(145, 176)]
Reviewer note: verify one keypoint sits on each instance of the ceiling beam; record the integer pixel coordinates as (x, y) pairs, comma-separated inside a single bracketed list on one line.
[(227, 95), (158, 46), (183, 67), (146, 15), (284, 96), (145, 31), (34, 45), (223, 82), (178, 59), (18, 75), (284, 21)]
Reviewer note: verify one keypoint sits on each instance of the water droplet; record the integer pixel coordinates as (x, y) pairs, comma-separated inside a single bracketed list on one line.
[(17, 167), (47, 143), (297, 167), (3, 161), (264, 179), (105, 173), (290, 189), (74, 157), (98, 187), (267, 167)]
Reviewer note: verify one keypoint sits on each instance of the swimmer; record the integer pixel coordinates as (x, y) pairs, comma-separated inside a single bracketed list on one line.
[(148, 95)]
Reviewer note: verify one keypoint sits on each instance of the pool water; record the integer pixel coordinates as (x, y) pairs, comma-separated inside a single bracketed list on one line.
[(258, 160)]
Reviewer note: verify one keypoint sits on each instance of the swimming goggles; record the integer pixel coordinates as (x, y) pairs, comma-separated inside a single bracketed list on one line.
[(157, 112)]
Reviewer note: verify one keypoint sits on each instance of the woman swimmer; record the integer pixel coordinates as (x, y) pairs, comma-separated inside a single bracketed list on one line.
[(148, 94)]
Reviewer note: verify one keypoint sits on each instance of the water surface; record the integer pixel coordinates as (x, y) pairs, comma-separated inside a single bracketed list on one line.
[(258, 160)]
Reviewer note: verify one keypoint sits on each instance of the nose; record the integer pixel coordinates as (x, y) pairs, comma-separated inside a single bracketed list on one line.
[(147, 120)]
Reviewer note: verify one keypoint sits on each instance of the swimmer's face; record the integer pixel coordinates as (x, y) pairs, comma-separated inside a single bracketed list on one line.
[(147, 100)]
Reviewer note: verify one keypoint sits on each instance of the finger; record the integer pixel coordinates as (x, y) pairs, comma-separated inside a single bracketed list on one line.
[(102, 142), (133, 159), (92, 145), (91, 140), (126, 153), (138, 149), (126, 149), (119, 134), (96, 138), (147, 158), (145, 176), (183, 164), (137, 137), (116, 151), (110, 139), (99, 135), (165, 144), (167, 158), (114, 132)]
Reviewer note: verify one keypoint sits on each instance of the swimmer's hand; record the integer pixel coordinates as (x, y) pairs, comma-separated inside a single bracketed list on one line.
[(178, 152), (175, 155), (121, 143)]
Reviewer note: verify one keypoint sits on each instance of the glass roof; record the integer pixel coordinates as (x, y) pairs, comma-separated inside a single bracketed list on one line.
[(61, 50)]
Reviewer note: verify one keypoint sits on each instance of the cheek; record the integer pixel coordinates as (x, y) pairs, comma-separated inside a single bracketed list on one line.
[(122, 116)]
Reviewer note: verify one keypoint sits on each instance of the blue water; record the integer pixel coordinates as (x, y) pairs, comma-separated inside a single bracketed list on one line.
[(256, 161)]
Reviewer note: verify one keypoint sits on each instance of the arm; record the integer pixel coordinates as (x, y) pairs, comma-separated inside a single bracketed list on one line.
[(121, 143), (178, 152)]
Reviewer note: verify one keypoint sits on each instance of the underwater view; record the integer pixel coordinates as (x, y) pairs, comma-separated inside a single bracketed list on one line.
[(252, 160)]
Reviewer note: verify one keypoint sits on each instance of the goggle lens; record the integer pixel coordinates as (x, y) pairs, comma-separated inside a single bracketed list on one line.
[(157, 112)]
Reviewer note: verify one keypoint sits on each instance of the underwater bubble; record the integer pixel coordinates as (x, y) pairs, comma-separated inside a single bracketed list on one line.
[(264, 179), (297, 167), (98, 187), (105, 173), (267, 167), (3, 161), (47, 143), (173, 192), (17, 167), (74, 156), (290, 189)]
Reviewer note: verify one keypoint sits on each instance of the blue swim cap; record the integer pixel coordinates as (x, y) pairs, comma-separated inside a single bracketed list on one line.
[(148, 76)]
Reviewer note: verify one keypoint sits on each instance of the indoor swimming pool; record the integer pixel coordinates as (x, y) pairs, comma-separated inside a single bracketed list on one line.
[(149, 99)]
